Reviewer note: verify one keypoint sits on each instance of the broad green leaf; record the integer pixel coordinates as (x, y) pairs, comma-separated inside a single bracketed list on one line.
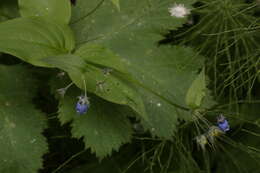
[(110, 86), (94, 20), (21, 141), (33, 38), (162, 74), (167, 73), (59, 10), (99, 55), (69, 63), (197, 91), (104, 127), (116, 3)]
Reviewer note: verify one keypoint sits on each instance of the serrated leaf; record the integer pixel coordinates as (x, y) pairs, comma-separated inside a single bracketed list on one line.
[(108, 86), (35, 37), (167, 75), (163, 74), (59, 10), (197, 91), (21, 125), (99, 20), (104, 127)]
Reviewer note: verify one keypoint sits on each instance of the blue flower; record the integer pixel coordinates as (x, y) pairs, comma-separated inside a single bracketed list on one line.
[(224, 126), (82, 105), (223, 123)]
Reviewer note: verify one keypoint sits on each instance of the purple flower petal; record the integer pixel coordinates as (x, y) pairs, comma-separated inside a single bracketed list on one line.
[(81, 108), (224, 126), (82, 105)]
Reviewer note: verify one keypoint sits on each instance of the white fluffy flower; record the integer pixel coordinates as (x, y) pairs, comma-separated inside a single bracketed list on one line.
[(178, 10)]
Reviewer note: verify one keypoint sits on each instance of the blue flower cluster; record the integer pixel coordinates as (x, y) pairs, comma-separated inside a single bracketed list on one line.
[(82, 105)]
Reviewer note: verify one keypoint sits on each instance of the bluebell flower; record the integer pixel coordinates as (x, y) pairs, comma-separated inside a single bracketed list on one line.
[(82, 105), (223, 123), (224, 126)]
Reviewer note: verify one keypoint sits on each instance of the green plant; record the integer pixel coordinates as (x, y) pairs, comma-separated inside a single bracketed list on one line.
[(97, 70), (228, 35)]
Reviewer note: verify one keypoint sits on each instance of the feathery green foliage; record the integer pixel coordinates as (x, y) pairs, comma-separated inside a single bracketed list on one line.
[(228, 34)]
